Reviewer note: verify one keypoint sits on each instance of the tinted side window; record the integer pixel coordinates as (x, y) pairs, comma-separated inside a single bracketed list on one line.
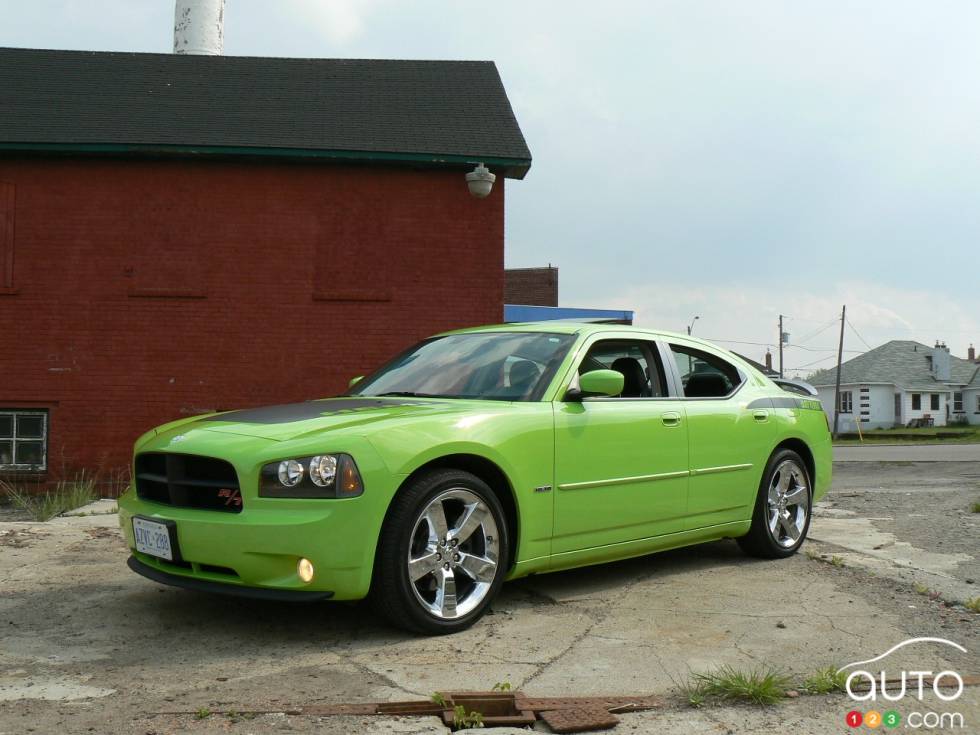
[(704, 375), (637, 361)]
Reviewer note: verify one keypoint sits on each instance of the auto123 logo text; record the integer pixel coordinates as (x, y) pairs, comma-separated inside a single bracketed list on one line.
[(879, 688)]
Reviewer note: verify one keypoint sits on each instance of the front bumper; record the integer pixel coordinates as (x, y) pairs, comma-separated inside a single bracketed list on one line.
[(257, 549), (203, 585)]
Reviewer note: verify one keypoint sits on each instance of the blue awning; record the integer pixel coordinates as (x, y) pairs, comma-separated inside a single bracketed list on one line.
[(521, 313)]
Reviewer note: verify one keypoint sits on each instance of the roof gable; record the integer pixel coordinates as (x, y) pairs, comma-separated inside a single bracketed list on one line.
[(434, 112)]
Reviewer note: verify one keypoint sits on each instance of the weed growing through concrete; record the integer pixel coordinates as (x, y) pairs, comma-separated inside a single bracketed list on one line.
[(502, 686), (66, 495), (837, 561), (973, 604), (762, 686), (825, 681), (920, 589), (234, 717), (976, 508), (202, 714), (694, 692), (463, 719), (438, 699)]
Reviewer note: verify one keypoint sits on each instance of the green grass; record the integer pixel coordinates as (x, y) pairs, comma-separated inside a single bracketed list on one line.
[(66, 495), (762, 686), (825, 681), (934, 435), (976, 508), (694, 692), (973, 604)]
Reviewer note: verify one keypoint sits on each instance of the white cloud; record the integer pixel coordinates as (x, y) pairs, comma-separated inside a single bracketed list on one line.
[(744, 318), (341, 22)]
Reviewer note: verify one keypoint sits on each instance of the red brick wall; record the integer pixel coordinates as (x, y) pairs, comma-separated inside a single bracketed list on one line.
[(144, 291), (531, 286)]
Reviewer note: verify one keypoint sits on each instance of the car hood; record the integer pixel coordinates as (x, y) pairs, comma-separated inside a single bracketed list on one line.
[(292, 420)]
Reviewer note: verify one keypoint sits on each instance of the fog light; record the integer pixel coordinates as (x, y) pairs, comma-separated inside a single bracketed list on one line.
[(304, 568)]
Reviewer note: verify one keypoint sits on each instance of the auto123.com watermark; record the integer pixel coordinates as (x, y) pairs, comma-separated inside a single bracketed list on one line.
[(891, 697)]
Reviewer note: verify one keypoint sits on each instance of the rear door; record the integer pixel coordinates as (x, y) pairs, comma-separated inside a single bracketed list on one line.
[(730, 435), (621, 464)]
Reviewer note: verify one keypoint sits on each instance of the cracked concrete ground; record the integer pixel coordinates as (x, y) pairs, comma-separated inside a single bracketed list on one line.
[(87, 646)]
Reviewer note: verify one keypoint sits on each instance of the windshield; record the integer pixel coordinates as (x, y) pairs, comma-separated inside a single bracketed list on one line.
[(502, 366)]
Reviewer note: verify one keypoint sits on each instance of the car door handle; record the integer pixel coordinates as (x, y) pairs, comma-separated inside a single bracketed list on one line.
[(671, 418), (761, 415)]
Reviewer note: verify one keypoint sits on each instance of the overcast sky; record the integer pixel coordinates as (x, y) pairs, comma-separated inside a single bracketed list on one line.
[(732, 160)]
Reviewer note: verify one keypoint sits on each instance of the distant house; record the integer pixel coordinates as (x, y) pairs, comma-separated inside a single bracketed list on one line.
[(903, 382)]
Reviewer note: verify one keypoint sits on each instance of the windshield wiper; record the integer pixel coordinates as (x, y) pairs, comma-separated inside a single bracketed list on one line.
[(408, 394)]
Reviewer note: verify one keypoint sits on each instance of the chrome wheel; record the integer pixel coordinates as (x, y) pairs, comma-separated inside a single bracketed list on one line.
[(789, 504), (453, 554)]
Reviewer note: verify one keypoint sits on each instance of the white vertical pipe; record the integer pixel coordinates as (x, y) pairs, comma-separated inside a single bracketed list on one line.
[(199, 27)]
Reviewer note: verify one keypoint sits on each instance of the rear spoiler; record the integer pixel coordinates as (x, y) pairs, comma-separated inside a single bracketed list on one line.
[(796, 386)]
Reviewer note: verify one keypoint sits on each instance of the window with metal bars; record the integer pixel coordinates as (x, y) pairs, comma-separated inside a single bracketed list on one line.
[(23, 440)]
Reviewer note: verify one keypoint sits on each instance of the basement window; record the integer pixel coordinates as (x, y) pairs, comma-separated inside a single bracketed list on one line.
[(23, 440)]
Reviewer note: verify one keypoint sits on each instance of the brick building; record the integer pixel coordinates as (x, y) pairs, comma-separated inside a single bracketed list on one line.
[(180, 234), (531, 286)]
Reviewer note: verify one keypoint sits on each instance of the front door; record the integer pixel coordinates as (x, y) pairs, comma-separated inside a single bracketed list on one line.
[(621, 464)]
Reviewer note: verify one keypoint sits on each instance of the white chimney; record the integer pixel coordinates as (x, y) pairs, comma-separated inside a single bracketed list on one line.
[(199, 27), (941, 368)]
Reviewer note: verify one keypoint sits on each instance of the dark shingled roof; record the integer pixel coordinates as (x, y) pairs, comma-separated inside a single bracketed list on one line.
[(424, 112)]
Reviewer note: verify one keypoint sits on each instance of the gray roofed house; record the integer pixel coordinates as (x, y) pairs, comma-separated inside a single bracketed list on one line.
[(420, 113), (903, 382)]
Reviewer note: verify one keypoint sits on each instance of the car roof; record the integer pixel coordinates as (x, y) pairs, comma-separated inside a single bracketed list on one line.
[(561, 326)]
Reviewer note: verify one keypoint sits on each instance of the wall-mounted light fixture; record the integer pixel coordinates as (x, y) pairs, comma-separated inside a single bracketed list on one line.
[(480, 181)]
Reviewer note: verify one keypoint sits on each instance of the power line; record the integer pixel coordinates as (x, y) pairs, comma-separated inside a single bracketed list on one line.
[(769, 344), (822, 329), (810, 364), (859, 335)]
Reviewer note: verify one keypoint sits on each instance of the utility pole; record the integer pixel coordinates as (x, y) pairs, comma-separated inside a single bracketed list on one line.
[(780, 345), (840, 356)]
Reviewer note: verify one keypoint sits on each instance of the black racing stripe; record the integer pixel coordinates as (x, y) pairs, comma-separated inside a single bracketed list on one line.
[(289, 412), (780, 402), (786, 402)]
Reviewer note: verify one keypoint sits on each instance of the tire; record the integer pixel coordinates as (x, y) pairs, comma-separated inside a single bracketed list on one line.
[(438, 574), (781, 518)]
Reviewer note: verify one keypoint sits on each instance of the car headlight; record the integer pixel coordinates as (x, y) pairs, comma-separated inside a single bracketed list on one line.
[(320, 476)]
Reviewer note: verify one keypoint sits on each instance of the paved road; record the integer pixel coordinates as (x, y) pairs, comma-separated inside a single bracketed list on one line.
[(909, 453)]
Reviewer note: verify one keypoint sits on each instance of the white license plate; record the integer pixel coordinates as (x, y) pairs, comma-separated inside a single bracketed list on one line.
[(152, 538)]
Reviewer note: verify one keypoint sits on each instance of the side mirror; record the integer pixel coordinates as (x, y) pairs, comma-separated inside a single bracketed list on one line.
[(355, 381), (596, 383)]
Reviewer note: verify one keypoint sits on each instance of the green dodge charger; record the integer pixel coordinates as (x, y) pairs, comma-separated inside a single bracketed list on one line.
[(475, 457)]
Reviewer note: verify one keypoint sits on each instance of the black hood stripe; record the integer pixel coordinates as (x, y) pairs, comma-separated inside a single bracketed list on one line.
[(289, 412)]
